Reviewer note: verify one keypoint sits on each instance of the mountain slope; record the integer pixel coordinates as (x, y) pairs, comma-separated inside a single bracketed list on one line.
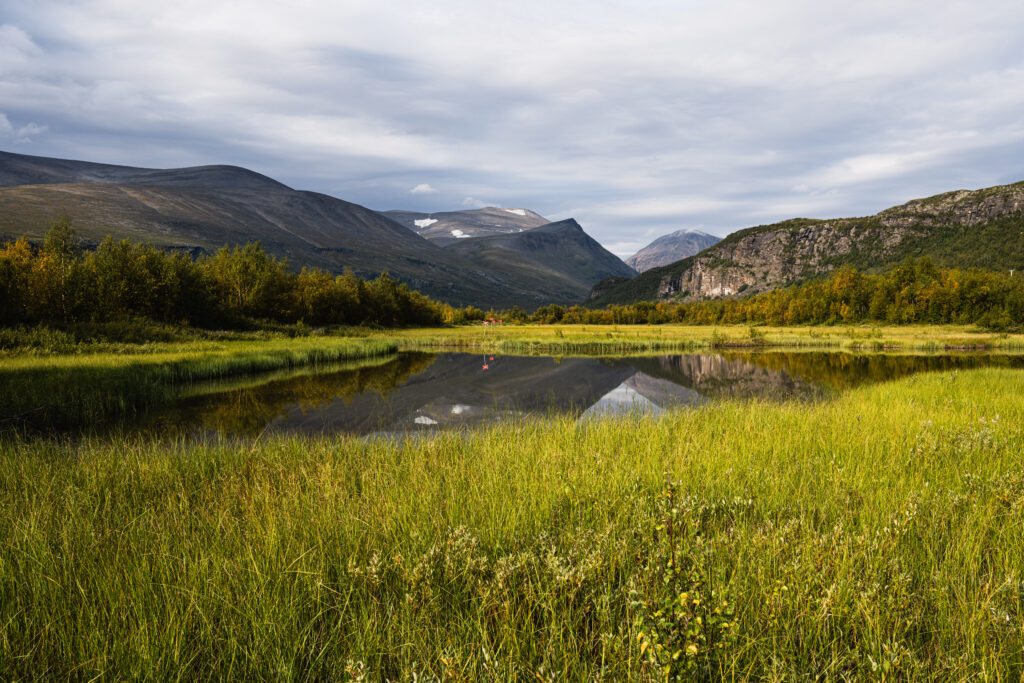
[(201, 209), (22, 169), (963, 229), (671, 248), (446, 227), (559, 259)]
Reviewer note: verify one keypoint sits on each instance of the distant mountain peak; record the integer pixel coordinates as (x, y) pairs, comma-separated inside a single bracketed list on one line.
[(670, 248), (444, 227)]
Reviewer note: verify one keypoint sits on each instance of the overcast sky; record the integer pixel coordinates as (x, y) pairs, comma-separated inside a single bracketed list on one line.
[(636, 118)]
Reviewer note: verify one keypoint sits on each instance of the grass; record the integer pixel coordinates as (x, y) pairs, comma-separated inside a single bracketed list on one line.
[(619, 339), (876, 536), (94, 388)]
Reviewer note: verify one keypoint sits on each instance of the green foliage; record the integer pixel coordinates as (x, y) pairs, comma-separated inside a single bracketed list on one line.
[(686, 622), (121, 280), (914, 292)]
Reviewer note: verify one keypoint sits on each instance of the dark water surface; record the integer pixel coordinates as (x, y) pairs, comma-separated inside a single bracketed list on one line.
[(422, 392)]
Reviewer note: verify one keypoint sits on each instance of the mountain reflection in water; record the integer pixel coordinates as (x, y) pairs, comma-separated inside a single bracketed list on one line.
[(419, 392)]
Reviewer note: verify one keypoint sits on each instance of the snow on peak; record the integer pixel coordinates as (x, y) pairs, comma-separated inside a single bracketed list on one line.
[(458, 234), (424, 222), (518, 212)]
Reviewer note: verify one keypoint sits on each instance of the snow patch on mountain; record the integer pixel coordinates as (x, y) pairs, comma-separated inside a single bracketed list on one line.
[(458, 234), (518, 212), (424, 222)]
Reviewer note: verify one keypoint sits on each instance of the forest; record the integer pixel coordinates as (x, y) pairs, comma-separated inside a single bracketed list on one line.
[(915, 292), (59, 282)]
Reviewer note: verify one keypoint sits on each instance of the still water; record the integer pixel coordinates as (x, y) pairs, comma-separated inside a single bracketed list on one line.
[(424, 392)]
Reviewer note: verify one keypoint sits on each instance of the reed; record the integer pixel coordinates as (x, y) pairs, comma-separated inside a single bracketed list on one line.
[(44, 392), (626, 339), (879, 535)]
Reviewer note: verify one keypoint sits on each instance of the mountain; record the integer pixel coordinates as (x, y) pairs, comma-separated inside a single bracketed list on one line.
[(446, 227), (671, 248), (22, 169), (961, 229), (559, 258), (201, 209)]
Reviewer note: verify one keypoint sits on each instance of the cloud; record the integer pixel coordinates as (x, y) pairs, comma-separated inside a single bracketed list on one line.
[(423, 188), (21, 135), (627, 248), (636, 122), (473, 203)]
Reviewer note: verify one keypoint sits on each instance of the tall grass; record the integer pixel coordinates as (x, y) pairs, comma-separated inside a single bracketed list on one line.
[(877, 536), (52, 392), (624, 339)]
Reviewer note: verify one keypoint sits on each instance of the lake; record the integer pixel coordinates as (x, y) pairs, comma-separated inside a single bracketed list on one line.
[(424, 392)]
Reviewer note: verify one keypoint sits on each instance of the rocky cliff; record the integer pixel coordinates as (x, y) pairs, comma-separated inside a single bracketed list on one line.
[(981, 228)]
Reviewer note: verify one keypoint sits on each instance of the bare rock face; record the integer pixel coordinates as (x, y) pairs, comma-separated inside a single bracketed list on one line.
[(961, 207), (772, 258), (765, 257)]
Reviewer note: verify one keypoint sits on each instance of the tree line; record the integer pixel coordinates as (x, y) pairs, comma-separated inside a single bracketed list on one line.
[(915, 292), (59, 282)]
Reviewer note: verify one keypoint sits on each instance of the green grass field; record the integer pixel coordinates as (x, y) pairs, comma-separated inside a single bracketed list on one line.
[(877, 536)]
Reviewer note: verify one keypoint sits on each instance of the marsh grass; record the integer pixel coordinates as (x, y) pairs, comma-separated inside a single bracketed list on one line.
[(876, 536), (626, 339), (43, 393)]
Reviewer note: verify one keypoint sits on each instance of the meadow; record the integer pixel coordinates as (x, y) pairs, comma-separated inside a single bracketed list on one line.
[(878, 535)]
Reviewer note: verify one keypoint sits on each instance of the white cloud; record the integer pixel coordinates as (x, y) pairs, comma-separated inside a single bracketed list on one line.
[(25, 134), (20, 135), (474, 203), (423, 188)]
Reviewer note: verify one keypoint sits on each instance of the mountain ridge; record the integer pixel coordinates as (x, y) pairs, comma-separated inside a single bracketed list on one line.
[(200, 209), (446, 227), (562, 257), (962, 228)]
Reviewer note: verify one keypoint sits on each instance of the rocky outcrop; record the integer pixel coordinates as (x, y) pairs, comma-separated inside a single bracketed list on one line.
[(767, 259), (951, 226)]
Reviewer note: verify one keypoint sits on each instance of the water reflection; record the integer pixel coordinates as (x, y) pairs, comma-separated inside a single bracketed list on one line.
[(419, 392)]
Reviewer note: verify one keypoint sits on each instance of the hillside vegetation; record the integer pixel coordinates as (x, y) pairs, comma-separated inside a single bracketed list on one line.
[(877, 536), (963, 229), (915, 292)]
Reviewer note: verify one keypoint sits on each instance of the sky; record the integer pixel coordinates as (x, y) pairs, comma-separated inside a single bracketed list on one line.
[(636, 118)]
